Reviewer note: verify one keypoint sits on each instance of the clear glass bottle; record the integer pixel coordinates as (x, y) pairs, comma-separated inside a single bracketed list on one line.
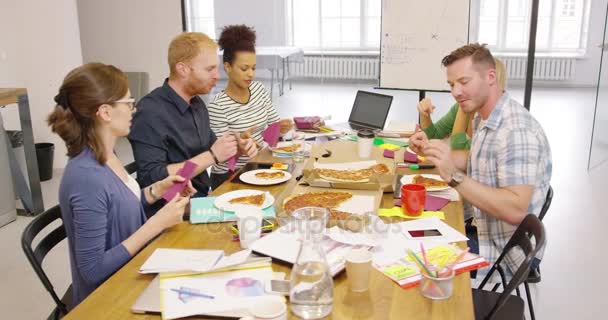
[(311, 293)]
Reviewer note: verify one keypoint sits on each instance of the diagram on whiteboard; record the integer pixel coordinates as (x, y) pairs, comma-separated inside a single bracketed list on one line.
[(415, 37)]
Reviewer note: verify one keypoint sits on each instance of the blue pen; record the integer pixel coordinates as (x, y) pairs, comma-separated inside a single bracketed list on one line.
[(194, 294)]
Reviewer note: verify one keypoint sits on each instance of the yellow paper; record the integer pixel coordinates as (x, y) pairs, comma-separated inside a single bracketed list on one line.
[(389, 146), (437, 255), (400, 271), (398, 212)]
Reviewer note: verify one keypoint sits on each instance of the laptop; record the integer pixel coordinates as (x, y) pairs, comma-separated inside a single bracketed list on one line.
[(369, 111)]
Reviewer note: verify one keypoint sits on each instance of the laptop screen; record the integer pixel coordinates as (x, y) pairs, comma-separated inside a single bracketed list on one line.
[(370, 109)]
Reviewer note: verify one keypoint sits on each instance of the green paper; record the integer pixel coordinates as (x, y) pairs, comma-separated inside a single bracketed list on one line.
[(396, 142), (378, 141)]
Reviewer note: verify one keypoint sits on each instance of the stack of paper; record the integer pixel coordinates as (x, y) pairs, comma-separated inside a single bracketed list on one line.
[(184, 260)]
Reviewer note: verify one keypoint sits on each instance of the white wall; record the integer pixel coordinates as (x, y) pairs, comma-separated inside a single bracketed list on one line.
[(133, 35), (39, 44), (267, 17), (587, 68)]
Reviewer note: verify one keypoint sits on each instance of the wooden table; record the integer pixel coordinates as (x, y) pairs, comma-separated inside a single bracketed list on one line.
[(33, 199), (384, 300)]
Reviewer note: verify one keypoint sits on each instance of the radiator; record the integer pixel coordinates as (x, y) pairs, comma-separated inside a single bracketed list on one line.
[(336, 67), (554, 69), (367, 68)]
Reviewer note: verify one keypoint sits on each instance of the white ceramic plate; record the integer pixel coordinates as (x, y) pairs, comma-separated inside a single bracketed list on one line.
[(222, 202), (249, 177), (408, 179)]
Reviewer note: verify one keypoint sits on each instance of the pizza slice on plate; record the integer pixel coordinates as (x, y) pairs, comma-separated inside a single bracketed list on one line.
[(256, 200), (429, 182), (270, 175), (288, 149)]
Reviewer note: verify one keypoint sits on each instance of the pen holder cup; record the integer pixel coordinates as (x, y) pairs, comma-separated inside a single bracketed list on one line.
[(438, 286)]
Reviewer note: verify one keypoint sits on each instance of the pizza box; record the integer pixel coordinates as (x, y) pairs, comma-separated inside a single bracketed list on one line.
[(340, 154), (361, 205)]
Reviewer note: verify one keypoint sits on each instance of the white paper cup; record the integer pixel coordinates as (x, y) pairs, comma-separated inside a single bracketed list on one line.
[(270, 308), (365, 141), (249, 222), (358, 268)]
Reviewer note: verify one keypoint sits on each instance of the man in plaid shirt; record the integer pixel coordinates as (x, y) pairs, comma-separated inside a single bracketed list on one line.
[(508, 169)]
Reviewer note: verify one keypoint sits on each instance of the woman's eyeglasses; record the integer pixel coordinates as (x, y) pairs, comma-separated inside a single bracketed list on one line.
[(129, 102)]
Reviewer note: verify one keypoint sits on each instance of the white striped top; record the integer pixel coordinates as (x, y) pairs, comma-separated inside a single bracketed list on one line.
[(225, 114)]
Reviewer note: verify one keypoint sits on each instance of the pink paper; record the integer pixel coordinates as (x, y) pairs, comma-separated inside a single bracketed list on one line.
[(410, 157), (186, 172), (272, 133), (232, 162), (306, 122), (389, 154), (431, 203)]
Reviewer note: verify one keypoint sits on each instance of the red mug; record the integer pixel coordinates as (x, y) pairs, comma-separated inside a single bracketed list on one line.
[(413, 198)]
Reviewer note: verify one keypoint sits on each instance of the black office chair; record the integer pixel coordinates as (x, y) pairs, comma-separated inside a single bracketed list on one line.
[(534, 275), (131, 167), (494, 305), (36, 255)]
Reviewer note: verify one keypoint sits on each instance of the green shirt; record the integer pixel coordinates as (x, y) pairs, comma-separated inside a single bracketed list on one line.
[(443, 128)]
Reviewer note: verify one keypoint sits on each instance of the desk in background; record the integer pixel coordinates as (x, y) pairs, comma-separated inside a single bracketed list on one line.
[(276, 60), (32, 198)]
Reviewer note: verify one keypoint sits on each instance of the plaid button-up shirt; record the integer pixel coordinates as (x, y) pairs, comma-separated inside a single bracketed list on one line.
[(509, 148)]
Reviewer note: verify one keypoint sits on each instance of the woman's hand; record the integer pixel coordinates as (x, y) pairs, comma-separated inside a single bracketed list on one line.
[(171, 214), (286, 125), (160, 187), (425, 107)]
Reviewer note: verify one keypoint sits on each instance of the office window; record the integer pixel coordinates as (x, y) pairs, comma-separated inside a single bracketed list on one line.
[(200, 17), (334, 24), (562, 25)]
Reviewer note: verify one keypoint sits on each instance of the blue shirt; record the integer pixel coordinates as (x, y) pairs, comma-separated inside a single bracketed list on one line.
[(99, 212), (166, 129)]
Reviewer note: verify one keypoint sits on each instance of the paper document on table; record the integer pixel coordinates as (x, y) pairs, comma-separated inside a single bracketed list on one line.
[(227, 294), (182, 260), (448, 234)]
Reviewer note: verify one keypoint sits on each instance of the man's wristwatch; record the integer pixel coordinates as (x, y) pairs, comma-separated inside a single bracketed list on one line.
[(457, 178)]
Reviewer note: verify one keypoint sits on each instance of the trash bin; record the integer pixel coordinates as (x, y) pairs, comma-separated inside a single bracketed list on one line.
[(44, 155)]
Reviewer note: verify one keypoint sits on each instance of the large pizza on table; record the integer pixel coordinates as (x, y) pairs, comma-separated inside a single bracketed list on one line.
[(329, 200), (353, 176)]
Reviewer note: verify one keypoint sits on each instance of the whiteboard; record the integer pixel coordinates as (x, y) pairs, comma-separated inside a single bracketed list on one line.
[(415, 36)]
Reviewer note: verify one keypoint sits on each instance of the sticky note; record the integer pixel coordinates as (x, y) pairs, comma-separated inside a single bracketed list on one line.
[(389, 146), (389, 154), (398, 212), (400, 271), (378, 141)]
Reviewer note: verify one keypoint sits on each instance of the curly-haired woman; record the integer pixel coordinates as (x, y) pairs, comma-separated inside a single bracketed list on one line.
[(244, 106)]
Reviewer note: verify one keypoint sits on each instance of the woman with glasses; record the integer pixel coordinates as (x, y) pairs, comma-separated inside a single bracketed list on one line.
[(244, 107), (101, 204)]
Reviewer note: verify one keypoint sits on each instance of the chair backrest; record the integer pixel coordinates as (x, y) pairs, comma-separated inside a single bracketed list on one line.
[(531, 226), (131, 168), (35, 255), (547, 204)]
